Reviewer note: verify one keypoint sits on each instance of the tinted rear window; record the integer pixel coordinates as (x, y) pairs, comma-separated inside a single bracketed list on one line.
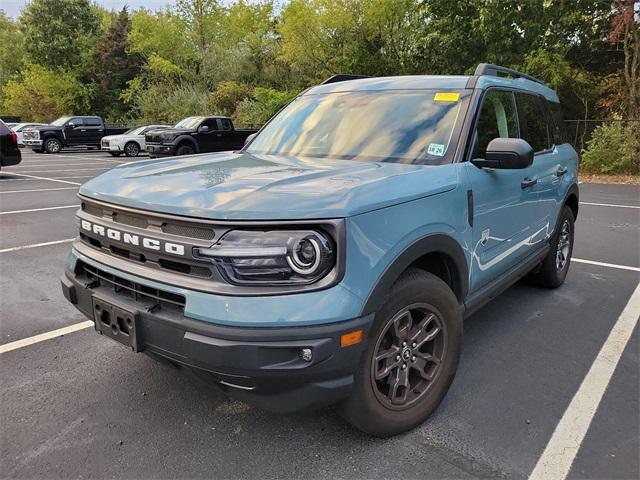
[(559, 130), (533, 118), (92, 122)]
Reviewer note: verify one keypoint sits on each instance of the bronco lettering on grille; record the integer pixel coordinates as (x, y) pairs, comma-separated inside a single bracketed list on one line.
[(132, 239)]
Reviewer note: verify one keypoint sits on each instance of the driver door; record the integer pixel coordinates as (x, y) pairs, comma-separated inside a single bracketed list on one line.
[(75, 132), (502, 233)]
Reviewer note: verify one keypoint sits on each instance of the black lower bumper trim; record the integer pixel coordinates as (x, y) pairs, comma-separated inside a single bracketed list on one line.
[(263, 366)]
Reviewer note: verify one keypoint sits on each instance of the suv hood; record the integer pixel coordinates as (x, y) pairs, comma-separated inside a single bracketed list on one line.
[(240, 186)]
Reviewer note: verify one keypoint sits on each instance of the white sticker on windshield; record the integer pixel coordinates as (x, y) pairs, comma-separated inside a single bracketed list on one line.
[(436, 149)]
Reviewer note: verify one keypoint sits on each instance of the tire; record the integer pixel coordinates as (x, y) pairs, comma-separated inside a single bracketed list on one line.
[(52, 145), (376, 408), (131, 149), (554, 268), (114, 154), (185, 150)]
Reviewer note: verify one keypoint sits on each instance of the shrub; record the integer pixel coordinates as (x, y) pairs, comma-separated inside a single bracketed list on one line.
[(613, 149), (159, 103), (265, 104), (228, 95)]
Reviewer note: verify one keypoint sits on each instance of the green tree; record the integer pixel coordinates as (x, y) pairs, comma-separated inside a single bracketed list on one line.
[(43, 95), (60, 33), (12, 54)]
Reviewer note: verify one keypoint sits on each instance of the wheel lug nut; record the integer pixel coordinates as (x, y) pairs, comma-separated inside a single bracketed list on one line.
[(404, 344), (404, 366), (413, 359), (414, 345), (397, 358)]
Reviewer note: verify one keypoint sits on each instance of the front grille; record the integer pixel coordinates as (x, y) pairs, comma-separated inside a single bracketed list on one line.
[(31, 135), (189, 231), (132, 220), (151, 297)]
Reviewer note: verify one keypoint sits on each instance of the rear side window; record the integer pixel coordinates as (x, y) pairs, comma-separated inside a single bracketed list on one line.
[(559, 130), (533, 117), (226, 124), (497, 120), (92, 122)]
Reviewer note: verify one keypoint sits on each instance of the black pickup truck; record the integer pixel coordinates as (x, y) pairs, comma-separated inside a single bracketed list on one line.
[(196, 135), (84, 131)]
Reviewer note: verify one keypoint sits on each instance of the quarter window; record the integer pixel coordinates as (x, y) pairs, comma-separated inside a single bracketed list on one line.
[(533, 121), (497, 120)]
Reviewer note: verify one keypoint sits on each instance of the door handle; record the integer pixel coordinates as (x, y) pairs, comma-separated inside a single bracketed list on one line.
[(528, 182), (561, 171), (218, 134), (83, 130)]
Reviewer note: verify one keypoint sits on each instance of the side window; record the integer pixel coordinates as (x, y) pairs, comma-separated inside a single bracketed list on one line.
[(497, 120), (74, 122), (92, 122), (212, 123), (559, 127), (533, 121), (226, 124)]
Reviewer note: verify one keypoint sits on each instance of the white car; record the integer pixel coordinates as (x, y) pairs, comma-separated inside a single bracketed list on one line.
[(131, 142), (19, 128)]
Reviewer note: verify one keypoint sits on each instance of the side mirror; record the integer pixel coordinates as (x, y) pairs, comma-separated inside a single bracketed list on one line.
[(506, 153), (249, 138), (203, 129)]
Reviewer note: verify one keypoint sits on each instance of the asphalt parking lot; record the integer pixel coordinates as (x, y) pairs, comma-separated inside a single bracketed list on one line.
[(79, 405)]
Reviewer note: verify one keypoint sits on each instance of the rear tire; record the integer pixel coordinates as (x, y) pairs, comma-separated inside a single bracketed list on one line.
[(411, 357), (185, 150), (52, 145), (554, 268), (132, 149)]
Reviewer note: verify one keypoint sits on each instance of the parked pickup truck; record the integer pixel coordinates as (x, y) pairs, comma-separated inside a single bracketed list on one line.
[(334, 257), (196, 135), (68, 131)]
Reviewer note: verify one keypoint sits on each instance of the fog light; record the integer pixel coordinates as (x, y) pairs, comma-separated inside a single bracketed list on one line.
[(306, 354)]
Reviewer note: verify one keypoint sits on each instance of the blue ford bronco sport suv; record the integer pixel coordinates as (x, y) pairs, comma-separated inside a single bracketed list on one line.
[(334, 257)]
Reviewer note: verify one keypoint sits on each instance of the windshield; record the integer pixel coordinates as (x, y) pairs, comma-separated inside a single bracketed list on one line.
[(60, 121), (414, 126), (134, 131), (189, 122)]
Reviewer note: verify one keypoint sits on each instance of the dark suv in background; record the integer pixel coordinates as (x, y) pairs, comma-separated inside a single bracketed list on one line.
[(9, 151)]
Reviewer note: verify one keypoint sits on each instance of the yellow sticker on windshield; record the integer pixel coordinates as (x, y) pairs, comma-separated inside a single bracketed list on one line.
[(446, 97)]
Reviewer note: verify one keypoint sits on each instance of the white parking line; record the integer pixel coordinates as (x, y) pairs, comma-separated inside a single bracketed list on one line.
[(39, 190), (38, 209), (66, 170), (79, 164), (609, 205), (559, 454), (7, 347), (36, 245), (34, 177), (608, 265)]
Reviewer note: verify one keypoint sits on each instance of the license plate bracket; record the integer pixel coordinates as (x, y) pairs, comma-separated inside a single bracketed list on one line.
[(117, 323)]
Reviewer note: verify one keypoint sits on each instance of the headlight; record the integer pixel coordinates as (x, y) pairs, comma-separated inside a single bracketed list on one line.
[(275, 257), (166, 137)]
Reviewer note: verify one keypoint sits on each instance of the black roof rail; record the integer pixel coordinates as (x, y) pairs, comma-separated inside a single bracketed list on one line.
[(342, 77), (495, 70)]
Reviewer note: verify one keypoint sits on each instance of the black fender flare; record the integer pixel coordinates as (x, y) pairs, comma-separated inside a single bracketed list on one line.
[(187, 139), (575, 191), (433, 243)]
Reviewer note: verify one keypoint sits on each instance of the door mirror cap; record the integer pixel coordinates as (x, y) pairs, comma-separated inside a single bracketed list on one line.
[(506, 153), (203, 129)]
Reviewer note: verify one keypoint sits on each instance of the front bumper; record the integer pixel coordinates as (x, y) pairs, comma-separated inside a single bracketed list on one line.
[(33, 143), (158, 150), (262, 366), (110, 147)]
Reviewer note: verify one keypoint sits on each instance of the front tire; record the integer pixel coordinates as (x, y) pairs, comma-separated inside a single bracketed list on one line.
[(554, 268), (52, 145), (411, 357), (185, 150), (132, 149)]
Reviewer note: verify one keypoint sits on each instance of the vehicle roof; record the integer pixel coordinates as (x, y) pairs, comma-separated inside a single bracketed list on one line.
[(440, 82)]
